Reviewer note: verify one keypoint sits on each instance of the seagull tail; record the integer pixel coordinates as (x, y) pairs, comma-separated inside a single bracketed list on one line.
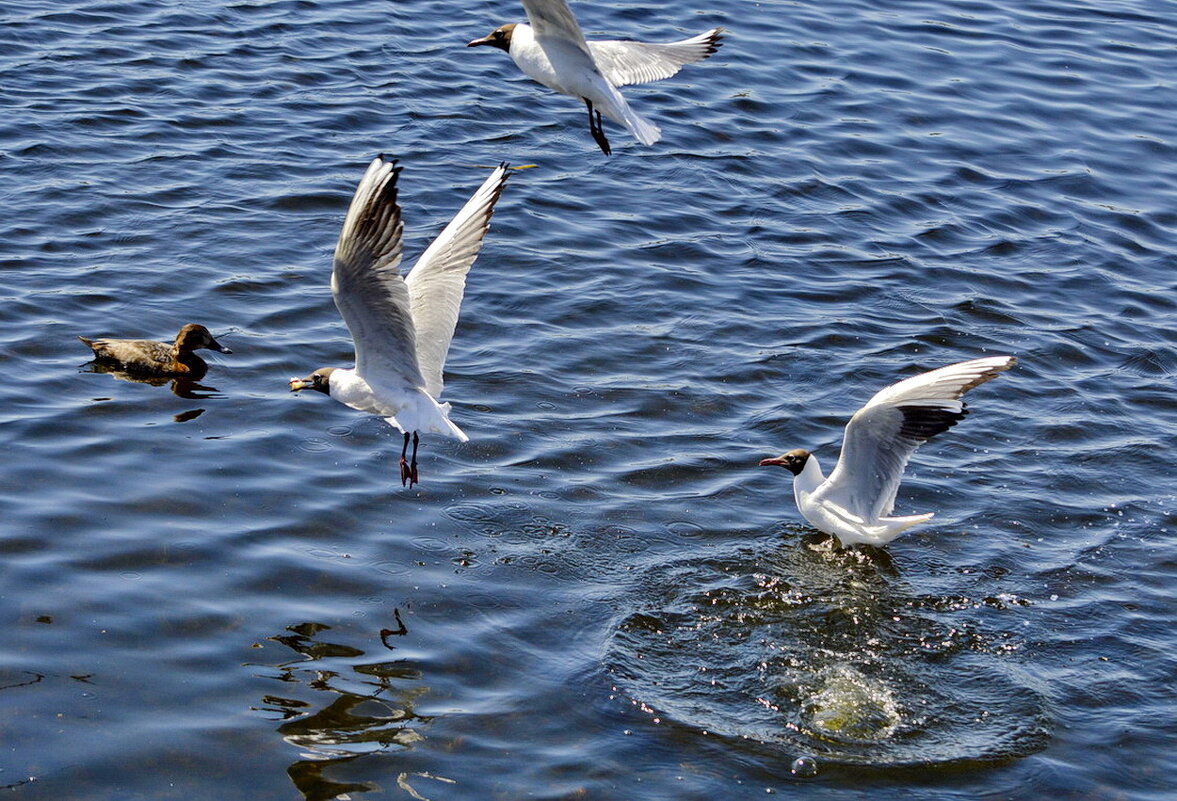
[(448, 427), (643, 130), (426, 415), (614, 106), (897, 525)]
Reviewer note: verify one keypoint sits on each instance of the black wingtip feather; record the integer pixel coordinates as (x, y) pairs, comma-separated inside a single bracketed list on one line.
[(385, 158), (925, 422), (713, 41)]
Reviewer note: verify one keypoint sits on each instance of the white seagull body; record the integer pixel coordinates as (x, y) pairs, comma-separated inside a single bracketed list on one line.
[(855, 502), (401, 326), (552, 50)]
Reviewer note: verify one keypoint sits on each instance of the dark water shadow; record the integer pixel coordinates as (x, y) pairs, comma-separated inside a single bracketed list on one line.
[(340, 706), (812, 650), (182, 386)]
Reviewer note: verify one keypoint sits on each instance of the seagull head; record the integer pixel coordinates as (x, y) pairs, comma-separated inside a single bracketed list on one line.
[(194, 335), (500, 37), (320, 381), (793, 461)]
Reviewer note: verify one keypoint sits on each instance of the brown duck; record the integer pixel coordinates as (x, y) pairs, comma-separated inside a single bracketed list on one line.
[(148, 357)]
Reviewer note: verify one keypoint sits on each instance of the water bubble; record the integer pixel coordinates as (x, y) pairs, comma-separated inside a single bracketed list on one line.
[(805, 767), (683, 528)]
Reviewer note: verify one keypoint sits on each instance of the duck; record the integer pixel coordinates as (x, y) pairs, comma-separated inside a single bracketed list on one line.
[(148, 357), (552, 50), (401, 326), (856, 501)]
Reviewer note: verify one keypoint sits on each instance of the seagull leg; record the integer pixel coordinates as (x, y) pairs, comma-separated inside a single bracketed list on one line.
[(595, 128), (406, 474), (600, 137), (413, 464)]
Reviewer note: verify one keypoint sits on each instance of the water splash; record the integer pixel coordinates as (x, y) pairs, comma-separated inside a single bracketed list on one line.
[(829, 653)]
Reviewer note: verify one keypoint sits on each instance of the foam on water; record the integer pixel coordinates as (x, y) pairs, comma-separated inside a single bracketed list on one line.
[(829, 653)]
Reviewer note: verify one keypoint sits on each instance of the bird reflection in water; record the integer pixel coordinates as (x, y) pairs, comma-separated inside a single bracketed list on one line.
[(368, 709), (182, 386)]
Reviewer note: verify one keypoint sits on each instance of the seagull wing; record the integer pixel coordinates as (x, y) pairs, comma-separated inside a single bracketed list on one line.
[(438, 279), (366, 282), (553, 19), (625, 62), (882, 435)]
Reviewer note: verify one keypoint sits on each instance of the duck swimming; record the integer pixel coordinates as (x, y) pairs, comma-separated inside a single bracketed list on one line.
[(148, 357)]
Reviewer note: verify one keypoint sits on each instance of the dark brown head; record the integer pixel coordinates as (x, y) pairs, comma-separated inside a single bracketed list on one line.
[(500, 37), (320, 381), (194, 336), (793, 461)]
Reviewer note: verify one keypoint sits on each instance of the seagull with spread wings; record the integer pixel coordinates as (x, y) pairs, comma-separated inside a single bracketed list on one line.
[(855, 502), (552, 50), (401, 326)]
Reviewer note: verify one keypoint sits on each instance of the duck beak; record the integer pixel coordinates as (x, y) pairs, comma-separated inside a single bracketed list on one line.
[(217, 346), (485, 40)]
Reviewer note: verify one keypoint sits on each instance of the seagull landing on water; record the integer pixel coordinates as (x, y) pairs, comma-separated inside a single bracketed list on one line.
[(402, 327), (552, 50), (855, 502)]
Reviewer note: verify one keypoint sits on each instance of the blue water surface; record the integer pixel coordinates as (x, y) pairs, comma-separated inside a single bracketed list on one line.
[(226, 592)]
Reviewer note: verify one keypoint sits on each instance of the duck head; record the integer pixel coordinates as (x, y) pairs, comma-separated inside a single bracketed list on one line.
[(193, 336)]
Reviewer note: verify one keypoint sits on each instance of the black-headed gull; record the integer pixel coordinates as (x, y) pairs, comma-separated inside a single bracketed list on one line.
[(552, 50), (401, 327), (855, 502), (148, 357)]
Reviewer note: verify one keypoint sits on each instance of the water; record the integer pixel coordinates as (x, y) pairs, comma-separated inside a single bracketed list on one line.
[(225, 592)]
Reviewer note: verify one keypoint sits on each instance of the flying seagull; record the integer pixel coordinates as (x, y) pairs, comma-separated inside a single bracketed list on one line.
[(552, 50), (401, 326), (855, 502)]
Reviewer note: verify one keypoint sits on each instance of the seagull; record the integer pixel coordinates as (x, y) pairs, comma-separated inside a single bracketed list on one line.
[(148, 357), (552, 50), (401, 326), (855, 502)]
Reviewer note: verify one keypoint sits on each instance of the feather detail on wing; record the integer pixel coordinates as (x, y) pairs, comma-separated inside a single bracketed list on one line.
[(554, 19), (882, 435), (625, 62), (366, 282), (438, 279)]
